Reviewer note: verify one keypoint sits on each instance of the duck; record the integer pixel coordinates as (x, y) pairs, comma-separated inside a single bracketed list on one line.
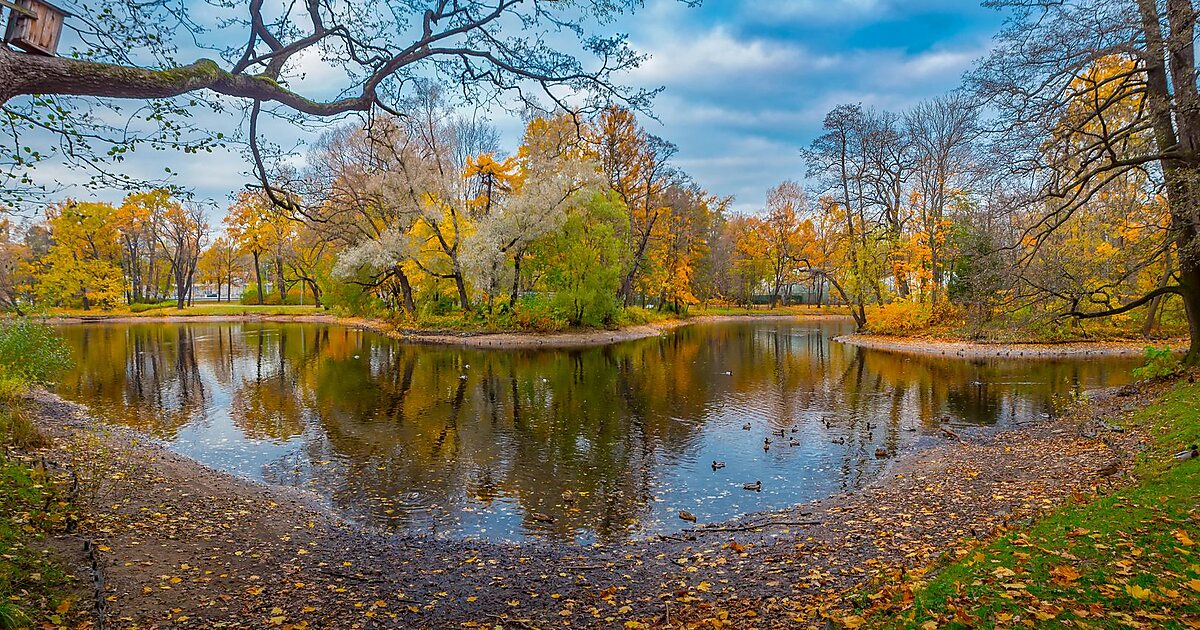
[(718, 465), (766, 444), (1190, 452), (746, 427), (795, 429), (840, 440), (687, 516), (793, 442), (778, 432), (568, 496), (755, 487)]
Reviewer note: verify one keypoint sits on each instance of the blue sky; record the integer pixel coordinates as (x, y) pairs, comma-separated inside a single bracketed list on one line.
[(746, 83)]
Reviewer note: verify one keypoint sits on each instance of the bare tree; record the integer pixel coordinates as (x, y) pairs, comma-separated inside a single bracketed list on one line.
[(941, 131), (130, 49)]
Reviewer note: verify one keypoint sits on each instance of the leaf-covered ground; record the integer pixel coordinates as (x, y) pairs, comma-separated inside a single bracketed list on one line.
[(185, 546), (1126, 559)]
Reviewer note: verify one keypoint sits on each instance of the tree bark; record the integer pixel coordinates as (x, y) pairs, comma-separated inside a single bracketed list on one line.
[(258, 277), (22, 74)]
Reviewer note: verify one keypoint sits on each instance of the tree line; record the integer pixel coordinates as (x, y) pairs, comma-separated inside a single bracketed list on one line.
[(1058, 184)]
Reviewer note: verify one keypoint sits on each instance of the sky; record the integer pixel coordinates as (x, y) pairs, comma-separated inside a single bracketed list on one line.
[(746, 85)]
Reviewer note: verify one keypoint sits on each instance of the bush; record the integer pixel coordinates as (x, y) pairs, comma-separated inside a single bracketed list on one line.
[(32, 351), (271, 298), (536, 314), (900, 318), (1160, 363), (142, 307)]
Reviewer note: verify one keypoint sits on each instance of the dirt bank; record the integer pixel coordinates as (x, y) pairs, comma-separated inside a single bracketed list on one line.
[(914, 345), (187, 546), (473, 339)]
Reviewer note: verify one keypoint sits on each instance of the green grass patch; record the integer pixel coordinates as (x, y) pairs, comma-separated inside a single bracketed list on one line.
[(34, 590), (1129, 559)]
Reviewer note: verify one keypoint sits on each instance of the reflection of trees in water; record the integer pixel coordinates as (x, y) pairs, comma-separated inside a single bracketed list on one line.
[(145, 376), (468, 429)]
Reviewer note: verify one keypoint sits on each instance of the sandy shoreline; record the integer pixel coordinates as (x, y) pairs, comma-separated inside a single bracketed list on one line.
[(471, 339), (968, 349)]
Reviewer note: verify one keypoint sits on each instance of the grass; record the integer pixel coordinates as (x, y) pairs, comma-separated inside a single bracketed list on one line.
[(1129, 559), (780, 311), (198, 310), (34, 590)]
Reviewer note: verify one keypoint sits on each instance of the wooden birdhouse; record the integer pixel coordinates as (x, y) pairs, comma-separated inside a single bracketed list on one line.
[(34, 26)]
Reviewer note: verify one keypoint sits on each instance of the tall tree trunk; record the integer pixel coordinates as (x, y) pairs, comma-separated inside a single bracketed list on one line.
[(279, 279), (258, 277), (1189, 276), (406, 291), (460, 284), (625, 295), (516, 285), (1156, 303)]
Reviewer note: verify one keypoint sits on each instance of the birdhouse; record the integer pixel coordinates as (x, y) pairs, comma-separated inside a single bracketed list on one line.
[(34, 26)]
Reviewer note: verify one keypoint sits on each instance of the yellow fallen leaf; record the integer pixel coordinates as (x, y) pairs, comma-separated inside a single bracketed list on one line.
[(1183, 538), (1137, 592), (853, 621)]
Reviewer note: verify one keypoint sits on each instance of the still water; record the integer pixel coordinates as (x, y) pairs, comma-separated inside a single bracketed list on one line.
[(583, 444)]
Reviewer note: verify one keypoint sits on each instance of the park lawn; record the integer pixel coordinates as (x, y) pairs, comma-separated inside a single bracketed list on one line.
[(779, 311), (198, 310), (1129, 559)]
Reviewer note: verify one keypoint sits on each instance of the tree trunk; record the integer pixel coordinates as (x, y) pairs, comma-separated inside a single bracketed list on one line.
[(316, 291), (258, 278), (516, 285), (406, 291), (1189, 276), (464, 300), (279, 279), (626, 293)]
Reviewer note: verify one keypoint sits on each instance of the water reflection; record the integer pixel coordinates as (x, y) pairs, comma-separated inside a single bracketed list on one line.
[(598, 443)]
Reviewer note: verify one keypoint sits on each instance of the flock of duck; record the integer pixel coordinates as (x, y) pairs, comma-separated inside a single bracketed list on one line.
[(781, 434)]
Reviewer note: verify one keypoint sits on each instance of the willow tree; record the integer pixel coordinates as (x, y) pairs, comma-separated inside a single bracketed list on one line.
[(1070, 140), (133, 49)]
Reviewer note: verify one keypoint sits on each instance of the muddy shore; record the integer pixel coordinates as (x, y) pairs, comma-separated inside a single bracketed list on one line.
[(188, 546), (935, 347)]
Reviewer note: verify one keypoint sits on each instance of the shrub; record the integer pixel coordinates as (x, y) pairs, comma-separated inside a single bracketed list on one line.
[(1160, 363), (32, 351), (142, 307), (899, 318)]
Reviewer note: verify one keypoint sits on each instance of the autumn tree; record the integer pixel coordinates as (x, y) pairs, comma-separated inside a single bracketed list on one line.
[(220, 263), (82, 264), (184, 231), (1032, 78), (787, 238), (259, 229), (636, 165)]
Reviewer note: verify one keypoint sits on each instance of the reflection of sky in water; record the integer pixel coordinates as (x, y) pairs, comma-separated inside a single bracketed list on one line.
[(600, 443)]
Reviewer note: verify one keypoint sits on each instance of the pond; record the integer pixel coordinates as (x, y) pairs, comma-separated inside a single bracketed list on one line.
[(587, 444)]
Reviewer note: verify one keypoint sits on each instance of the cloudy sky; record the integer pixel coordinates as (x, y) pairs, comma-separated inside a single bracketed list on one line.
[(746, 83), (747, 86)]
